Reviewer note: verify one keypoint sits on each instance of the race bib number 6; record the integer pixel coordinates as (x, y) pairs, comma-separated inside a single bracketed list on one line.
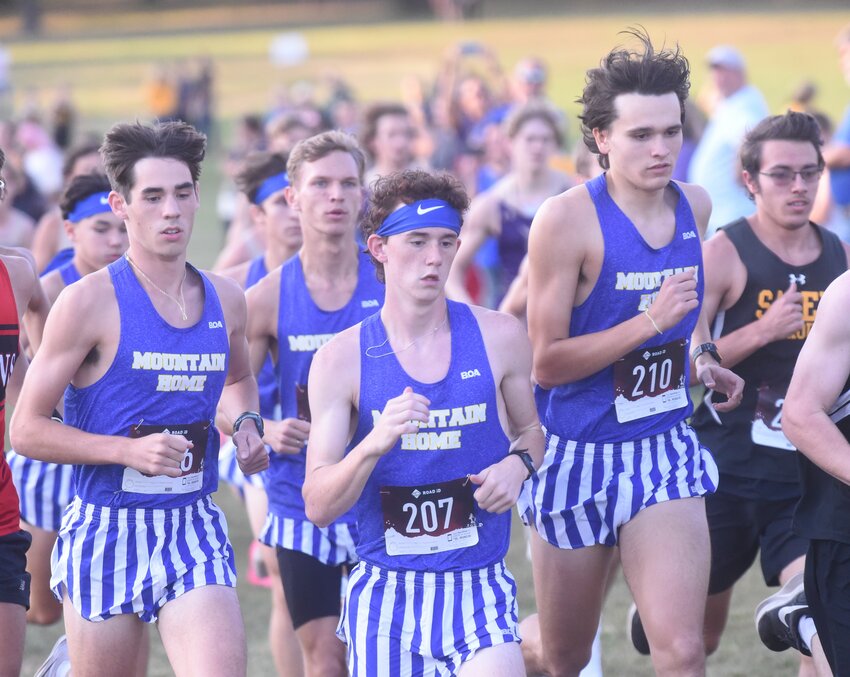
[(650, 381), (430, 518), (191, 467)]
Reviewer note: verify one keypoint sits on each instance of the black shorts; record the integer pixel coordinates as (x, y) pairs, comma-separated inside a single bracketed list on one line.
[(740, 527), (14, 579), (828, 593), (312, 589)]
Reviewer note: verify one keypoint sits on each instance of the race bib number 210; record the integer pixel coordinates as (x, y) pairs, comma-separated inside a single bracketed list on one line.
[(650, 381)]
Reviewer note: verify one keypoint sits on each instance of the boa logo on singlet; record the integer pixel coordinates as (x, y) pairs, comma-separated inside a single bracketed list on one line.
[(650, 281), (430, 440), (192, 362)]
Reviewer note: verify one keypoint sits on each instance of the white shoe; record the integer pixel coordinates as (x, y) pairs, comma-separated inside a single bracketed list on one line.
[(58, 663)]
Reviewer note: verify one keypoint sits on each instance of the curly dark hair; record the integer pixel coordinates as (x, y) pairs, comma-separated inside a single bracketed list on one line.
[(624, 71), (409, 186), (128, 143), (80, 188)]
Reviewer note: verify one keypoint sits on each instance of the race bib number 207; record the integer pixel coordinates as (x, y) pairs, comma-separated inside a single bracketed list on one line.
[(430, 518)]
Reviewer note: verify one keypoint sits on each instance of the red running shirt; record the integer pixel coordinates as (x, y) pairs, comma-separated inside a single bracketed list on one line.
[(9, 345)]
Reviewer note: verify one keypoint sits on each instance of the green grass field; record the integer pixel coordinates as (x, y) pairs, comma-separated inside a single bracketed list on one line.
[(107, 77)]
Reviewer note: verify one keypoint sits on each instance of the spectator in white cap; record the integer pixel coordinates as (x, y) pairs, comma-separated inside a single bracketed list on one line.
[(715, 165)]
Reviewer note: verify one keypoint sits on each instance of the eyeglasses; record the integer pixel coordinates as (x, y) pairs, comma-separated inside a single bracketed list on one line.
[(785, 176)]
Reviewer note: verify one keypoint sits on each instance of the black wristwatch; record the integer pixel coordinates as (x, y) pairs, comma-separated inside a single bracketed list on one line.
[(525, 457), (253, 416), (709, 348)]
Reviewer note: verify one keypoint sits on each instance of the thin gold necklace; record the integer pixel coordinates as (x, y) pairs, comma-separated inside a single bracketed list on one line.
[(181, 304), (409, 345)]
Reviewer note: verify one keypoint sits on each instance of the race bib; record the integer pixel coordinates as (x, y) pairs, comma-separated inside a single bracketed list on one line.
[(302, 402), (650, 381), (428, 519), (767, 421), (192, 467)]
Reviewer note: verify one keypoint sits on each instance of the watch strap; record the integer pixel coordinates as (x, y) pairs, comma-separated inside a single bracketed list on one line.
[(709, 348), (253, 416), (525, 457)]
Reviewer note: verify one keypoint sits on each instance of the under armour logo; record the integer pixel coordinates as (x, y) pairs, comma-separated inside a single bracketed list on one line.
[(799, 279)]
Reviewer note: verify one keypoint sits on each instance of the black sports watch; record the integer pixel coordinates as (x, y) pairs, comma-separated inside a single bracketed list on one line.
[(253, 416), (525, 457), (709, 348)]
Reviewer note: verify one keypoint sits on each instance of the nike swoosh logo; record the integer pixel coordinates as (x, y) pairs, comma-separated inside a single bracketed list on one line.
[(785, 611), (104, 201), (422, 212)]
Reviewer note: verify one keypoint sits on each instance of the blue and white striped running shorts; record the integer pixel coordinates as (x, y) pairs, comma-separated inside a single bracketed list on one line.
[(113, 561), (406, 623), (584, 492), (44, 489), (333, 545)]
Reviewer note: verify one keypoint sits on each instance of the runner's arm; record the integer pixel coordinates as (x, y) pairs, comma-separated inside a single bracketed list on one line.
[(706, 369), (67, 342), (558, 246), (334, 480), (256, 339), (240, 388), (479, 225), (819, 377), (508, 348)]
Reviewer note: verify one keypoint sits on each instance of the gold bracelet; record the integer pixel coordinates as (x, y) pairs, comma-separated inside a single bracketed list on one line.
[(646, 312)]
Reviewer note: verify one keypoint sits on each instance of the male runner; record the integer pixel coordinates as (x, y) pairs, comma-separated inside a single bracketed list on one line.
[(815, 419), (329, 286), (765, 275), (263, 180), (445, 432), (615, 285), (145, 347), (17, 284), (99, 237), (388, 135)]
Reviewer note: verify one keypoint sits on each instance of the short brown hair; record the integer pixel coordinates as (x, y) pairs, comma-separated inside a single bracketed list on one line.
[(371, 118), (128, 143), (535, 110), (322, 145), (793, 126), (256, 168), (409, 186)]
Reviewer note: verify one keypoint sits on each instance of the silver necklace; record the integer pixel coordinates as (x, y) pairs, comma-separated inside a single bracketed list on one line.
[(181, 304), (409, 345)]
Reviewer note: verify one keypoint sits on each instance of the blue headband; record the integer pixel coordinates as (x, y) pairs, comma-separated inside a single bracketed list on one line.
[(270, 186), (96, 203), (431, 213)]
